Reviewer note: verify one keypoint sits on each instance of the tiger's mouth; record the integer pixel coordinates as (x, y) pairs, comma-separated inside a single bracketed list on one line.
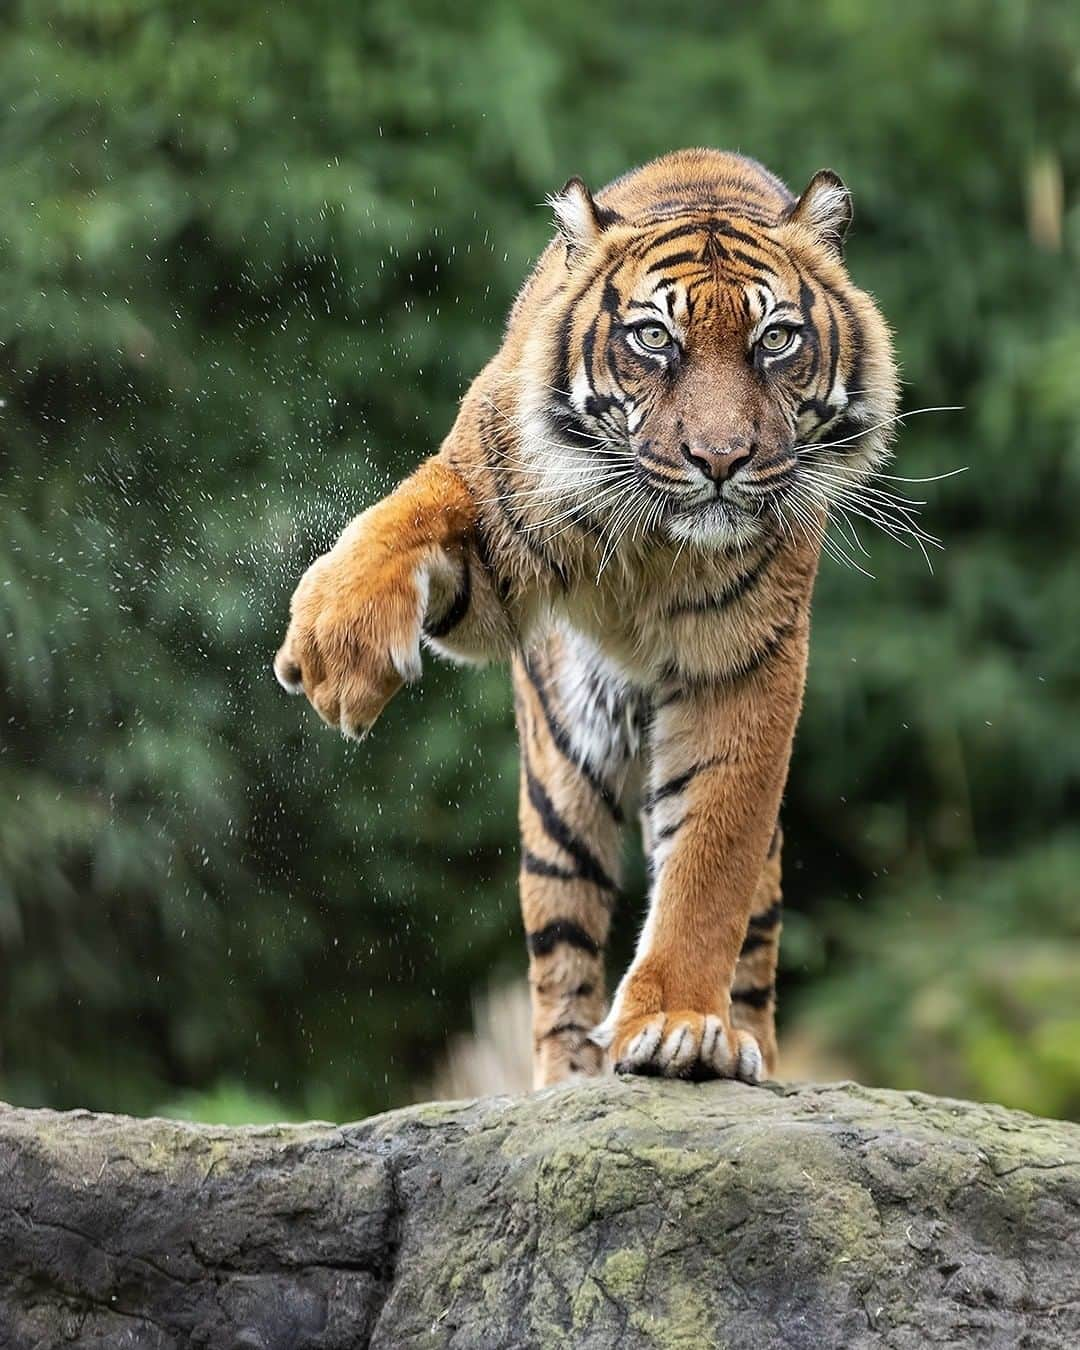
[(689, 499), (717, 504)]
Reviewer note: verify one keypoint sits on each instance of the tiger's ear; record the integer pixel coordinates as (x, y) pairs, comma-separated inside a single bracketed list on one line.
[(825, 209), (580, 220)]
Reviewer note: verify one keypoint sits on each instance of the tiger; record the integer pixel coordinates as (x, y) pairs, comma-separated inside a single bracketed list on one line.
[(629, 509)]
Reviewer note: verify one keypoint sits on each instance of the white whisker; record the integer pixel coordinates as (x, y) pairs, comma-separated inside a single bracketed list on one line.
[(877, 426)]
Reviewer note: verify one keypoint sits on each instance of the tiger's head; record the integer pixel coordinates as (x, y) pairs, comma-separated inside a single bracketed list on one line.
[(704, 352)]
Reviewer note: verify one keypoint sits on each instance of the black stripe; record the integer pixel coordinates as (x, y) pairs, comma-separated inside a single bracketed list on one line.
[(730, 232), (765, 274), (768, 918), (678, 232), (565, 424), (613, 353), (459, 607), (540, 867), (763, 654), (675, 695), (544, 940), (605, 216), (735, 590), (482, 546), (599, 692), (810, 339), (588, 348), (781, 476), (598, 406), (564, 746), (677, 208), (653, 458), (710, 223), (854, 378), (672, 260), (714, 253), (564, 1027), (610, 300), (821, 411), (679, 782), (562, 345), (754, 941), (754, 998), (670, 788), (669, 831), (589, 867), (667, 281), (846, 430), (654, 476), (834, 344), (766, 279), (690, 305)]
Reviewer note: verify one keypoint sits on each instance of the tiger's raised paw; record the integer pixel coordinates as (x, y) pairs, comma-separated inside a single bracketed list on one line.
[(682, 1045), (354, 636)]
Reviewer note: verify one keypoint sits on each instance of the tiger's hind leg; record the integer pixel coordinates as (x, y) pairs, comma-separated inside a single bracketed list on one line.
[(574, 727), (753, 990)]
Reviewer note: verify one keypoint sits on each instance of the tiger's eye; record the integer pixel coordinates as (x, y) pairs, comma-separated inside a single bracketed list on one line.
[(775, 339), (654, 336)]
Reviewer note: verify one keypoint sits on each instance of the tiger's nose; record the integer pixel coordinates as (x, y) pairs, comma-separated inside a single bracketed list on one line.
[(718, 462)]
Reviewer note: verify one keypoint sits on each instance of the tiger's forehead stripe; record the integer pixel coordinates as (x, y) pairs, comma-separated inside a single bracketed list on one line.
[(710, 242)]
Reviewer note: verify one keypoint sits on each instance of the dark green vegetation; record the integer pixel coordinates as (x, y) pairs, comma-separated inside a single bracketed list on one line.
[(250, 256)]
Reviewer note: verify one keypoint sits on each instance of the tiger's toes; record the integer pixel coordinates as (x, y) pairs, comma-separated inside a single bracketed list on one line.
[(353, 702), (749, 1061), (287, 671), (362, 700), (347, 683), (686, 1045)]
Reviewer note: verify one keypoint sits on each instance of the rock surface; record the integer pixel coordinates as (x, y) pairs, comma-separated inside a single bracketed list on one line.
[(629, 1213)]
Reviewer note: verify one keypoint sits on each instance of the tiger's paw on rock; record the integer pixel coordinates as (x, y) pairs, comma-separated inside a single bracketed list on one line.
[(682, 1045)]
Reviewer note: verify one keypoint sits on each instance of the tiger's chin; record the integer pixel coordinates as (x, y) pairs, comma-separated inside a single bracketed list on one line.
[(720, 525)]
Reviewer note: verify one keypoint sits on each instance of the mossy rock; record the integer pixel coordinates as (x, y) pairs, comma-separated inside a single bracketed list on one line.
[(629, 1213)]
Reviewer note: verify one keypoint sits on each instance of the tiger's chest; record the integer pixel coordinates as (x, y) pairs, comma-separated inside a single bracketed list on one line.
[(696, 620)]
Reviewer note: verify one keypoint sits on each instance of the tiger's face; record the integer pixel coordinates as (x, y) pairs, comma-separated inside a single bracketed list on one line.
[(719, 374)]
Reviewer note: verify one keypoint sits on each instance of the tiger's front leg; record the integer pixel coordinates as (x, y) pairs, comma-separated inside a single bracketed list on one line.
[(577, 728), (360, 610), (720, 755)]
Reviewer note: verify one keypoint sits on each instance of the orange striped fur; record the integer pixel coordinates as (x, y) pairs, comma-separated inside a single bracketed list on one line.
[(629, 509)]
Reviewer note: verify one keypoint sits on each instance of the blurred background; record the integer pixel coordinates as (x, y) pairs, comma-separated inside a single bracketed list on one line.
[(250, 257)]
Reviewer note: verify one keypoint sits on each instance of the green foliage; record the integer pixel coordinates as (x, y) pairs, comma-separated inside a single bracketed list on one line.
[(979, 996), (249, 258)]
